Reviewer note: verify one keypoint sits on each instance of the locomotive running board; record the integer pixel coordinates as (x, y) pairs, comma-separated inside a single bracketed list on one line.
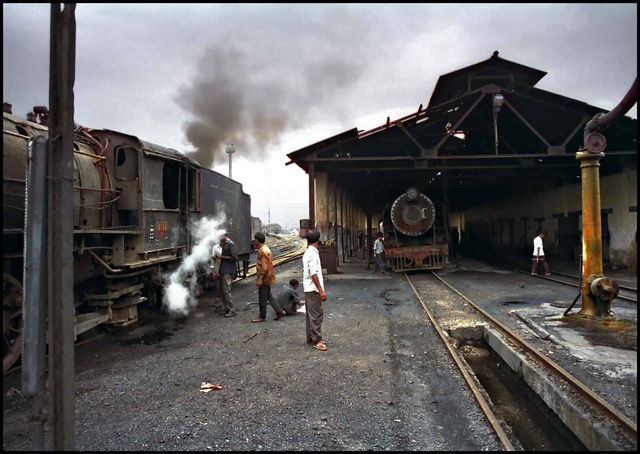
[(84, 322)]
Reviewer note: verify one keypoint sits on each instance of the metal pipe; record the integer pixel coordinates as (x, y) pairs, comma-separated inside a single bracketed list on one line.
[(103, 263), (579, 287), (122, 276), (601, 120)]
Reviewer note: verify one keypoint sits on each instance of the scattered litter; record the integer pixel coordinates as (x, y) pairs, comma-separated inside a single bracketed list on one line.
[(13, 392), (251, 337), (206, 387)]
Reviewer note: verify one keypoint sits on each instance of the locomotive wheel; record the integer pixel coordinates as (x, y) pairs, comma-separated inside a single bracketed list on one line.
[(12, 322)]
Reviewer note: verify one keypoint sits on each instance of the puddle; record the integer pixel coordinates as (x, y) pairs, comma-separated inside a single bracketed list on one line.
[(615, 333), (154, 337)]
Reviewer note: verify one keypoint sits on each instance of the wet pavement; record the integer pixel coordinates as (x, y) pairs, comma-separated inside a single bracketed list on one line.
[(386, 382)]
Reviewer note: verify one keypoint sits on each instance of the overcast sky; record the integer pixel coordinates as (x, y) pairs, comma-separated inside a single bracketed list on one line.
[(273, 78)]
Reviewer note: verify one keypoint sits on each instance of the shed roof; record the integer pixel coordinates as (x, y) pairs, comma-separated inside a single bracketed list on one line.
[(466, 148)]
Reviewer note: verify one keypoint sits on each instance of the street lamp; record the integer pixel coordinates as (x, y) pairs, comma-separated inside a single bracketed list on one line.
[(230, 149)]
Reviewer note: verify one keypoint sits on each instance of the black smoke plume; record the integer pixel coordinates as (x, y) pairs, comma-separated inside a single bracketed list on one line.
[(251, 103)]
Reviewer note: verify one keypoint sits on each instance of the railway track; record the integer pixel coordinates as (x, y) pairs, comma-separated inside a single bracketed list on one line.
[(627, 293), (596, 402)]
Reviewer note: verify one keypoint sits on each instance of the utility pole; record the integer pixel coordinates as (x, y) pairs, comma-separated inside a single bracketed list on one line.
[(62, 70), (230, 149), (269, 220)]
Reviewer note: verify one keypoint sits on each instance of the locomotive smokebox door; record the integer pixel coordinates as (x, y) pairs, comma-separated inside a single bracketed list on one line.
[(413, 213)]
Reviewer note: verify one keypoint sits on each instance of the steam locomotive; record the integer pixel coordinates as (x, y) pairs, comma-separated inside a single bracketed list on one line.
[(134, 206), (416, 234)]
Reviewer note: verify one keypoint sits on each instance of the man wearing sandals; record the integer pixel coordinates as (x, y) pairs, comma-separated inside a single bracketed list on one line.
[(314, 293)]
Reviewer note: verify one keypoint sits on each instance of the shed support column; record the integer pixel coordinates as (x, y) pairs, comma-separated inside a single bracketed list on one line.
[(331, 210), (368, 244), (312, 195), (339, 223), (322, 205)]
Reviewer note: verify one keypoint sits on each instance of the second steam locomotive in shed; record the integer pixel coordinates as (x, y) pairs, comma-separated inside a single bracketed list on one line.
[(417, 234), (134, 206)]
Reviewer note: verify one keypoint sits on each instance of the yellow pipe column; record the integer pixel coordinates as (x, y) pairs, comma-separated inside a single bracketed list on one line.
[(591, 227)]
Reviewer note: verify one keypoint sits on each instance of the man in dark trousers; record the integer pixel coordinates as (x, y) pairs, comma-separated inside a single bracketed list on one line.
[(288, 297), (265, 278), (228, 259), (314, 293), (538, 256)]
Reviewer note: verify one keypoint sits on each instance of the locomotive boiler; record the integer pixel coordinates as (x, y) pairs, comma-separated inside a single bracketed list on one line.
[(134, 206), (416, 233)]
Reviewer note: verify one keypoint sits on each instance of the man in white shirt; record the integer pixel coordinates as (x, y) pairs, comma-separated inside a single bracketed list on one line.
[(538, 256), (378, 252), (314, 293)]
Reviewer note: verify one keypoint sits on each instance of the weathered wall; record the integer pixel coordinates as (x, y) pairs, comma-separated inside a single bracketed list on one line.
[(539, 212)]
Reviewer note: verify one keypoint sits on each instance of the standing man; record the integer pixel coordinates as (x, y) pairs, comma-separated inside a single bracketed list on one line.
[(538, 256), (215, 276), (360, 240), (314, 293), (378, 252), (228, 259), (265, 278)]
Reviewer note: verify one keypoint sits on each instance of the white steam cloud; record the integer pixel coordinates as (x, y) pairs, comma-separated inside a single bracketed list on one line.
[(179, 296)]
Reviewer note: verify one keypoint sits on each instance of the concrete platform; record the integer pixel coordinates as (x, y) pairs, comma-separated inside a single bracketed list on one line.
[(603, 355)]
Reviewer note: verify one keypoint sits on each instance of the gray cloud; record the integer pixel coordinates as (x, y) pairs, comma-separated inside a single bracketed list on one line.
[(196, 76), (251, 101)]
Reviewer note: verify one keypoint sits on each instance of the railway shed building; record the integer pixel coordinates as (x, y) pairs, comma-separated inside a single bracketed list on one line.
[(497, 152)]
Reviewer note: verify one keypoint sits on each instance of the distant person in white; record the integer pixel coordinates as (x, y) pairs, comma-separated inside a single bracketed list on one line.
[(538, 256), (378, 252)]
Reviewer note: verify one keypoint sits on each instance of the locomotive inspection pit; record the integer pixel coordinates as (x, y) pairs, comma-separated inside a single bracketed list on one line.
[(386, 382)]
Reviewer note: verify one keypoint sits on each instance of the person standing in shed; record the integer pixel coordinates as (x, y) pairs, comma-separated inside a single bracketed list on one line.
[(314, 293), (538, 256)]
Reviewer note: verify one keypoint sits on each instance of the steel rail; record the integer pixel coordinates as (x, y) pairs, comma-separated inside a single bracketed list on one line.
[(622, 287), (595, 399), (493, 420), (282, 258), (560, 281)]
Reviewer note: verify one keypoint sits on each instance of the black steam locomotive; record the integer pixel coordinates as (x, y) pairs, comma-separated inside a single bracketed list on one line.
[(416, 234), (134, 207)]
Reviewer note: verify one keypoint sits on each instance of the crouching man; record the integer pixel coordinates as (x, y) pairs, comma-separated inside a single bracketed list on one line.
[(289, 299)]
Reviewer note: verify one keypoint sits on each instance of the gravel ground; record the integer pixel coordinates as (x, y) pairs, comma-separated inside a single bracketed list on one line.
[(386, 382)]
